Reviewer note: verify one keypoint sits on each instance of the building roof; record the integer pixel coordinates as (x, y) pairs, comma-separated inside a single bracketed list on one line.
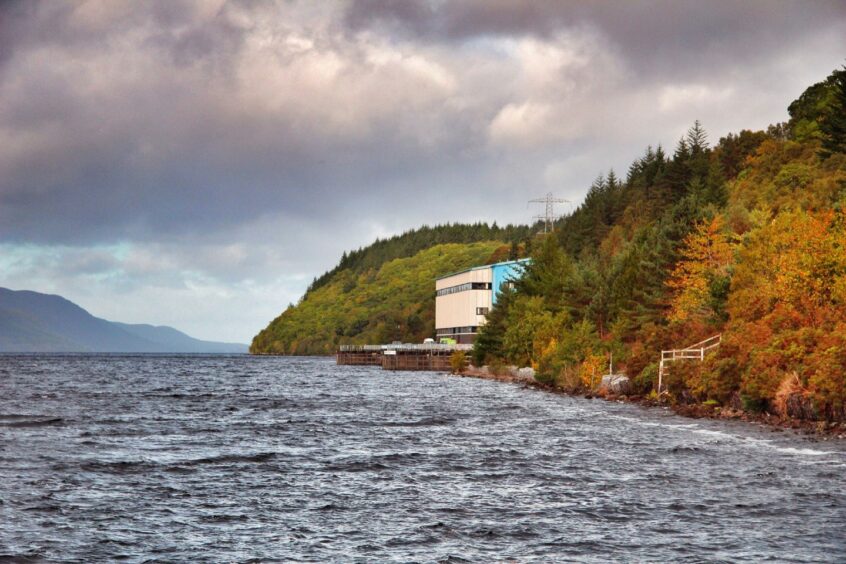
[(503, 263)]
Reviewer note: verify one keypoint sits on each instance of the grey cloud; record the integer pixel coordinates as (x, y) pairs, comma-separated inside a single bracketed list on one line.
[(168, 130), (658, 36), (162, 119)]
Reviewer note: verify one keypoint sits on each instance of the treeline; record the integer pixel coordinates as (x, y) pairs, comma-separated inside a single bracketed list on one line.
[(385, 292), (744, 238), (394, 302), (412, 242)]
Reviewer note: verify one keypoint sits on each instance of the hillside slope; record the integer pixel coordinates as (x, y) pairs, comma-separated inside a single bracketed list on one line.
[(395, 301), (35, 322), (745, 238)]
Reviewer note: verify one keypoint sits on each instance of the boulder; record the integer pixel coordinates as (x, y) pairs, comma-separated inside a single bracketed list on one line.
[(618, 384), (527, 373)]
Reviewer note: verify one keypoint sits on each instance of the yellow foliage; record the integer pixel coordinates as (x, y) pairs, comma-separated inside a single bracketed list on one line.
[(707, 253), (590, 370)]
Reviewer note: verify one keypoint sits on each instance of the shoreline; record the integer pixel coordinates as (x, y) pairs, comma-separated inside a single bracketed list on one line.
[(814, 431)]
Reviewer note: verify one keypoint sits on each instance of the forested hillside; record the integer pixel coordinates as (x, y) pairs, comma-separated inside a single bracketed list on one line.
[(744, 237), (392, 300), (412, 242)]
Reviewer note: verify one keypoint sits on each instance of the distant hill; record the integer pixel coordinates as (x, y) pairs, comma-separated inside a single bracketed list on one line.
[(408, 244), (393, 301), (386, 291), (34, 322)]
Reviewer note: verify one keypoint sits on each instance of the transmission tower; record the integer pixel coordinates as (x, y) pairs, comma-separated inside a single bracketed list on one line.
[(549, 216)]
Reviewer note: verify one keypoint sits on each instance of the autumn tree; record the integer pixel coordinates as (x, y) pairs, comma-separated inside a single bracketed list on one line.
[(702, 273)]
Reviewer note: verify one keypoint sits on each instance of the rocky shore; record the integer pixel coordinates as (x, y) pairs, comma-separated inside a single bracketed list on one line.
[(812, 430)]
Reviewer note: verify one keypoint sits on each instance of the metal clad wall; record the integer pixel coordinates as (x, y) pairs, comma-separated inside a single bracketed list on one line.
[(476, 275), (505, 272), (459, 309)]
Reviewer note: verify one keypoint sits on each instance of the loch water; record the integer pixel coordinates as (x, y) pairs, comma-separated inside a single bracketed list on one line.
[(238, 458)]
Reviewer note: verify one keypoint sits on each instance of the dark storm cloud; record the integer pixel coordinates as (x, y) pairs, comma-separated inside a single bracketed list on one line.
[(664, 36), (133, 121), (127, 121)]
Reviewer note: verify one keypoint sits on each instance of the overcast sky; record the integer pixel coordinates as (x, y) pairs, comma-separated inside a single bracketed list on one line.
[(197, 163)]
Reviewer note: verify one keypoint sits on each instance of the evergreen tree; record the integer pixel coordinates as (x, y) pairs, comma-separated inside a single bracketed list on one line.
[(677, 175), (514, 251), (697, 139), (488, 344), (833, 122)]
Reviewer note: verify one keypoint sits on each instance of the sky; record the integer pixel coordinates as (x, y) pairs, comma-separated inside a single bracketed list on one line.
[(198, 163)]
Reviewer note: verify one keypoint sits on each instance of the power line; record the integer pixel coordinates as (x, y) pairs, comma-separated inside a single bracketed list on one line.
[(549, 216)]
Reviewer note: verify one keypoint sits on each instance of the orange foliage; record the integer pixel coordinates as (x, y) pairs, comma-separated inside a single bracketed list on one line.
[(787, 305), (706, 254)]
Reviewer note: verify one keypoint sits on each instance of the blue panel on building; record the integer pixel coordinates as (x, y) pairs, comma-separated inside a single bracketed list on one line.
[(504, 272)]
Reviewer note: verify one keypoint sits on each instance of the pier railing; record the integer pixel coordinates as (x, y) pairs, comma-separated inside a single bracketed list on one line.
[(693, 352), (405, 347), (400, 356)]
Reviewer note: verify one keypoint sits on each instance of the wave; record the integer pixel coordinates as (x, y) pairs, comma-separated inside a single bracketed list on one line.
[(29, 420), (233, 458), (424, 422)]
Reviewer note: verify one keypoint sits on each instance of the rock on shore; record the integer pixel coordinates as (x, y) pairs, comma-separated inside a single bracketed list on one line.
[(618, 384)]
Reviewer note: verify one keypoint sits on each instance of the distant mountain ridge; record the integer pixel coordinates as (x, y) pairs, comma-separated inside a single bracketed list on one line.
[(35, 322)]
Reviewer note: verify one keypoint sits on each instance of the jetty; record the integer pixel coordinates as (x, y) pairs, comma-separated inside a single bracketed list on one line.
[(406, 356)]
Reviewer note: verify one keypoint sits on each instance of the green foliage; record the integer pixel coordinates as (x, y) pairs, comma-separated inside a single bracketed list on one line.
[(807, 111), (488, 347), (393, 302), (571, 357), (833, 121), (528, 325), (408, 244), (647, 379)]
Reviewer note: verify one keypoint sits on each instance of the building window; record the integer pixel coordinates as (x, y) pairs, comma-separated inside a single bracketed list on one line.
[(481, 311), (456, 331), (463, 288)]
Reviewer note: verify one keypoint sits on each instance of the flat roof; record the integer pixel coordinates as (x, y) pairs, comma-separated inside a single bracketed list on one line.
[(518, 261)]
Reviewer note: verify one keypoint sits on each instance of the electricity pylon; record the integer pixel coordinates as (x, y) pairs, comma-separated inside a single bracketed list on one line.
[(549, 216)]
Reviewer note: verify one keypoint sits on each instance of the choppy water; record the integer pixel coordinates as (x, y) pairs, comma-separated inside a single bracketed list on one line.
[(238, 458)]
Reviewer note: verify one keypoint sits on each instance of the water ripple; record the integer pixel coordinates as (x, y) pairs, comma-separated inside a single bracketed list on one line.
[(183, 458)]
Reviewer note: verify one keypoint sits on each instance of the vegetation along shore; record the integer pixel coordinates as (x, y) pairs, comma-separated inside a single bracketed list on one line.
[(811, 429)]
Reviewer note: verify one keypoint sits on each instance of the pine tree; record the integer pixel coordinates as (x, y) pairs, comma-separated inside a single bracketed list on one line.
[(677, 174), (697, 139), (514, 251)]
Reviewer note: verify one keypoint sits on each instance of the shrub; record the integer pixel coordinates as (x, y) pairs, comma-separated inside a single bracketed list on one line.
[(458, 362), (497, 367), (647, 380), (752, 404), (720, 377)]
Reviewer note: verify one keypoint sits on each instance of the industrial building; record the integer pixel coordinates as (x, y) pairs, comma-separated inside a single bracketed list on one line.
[(463, 299)]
